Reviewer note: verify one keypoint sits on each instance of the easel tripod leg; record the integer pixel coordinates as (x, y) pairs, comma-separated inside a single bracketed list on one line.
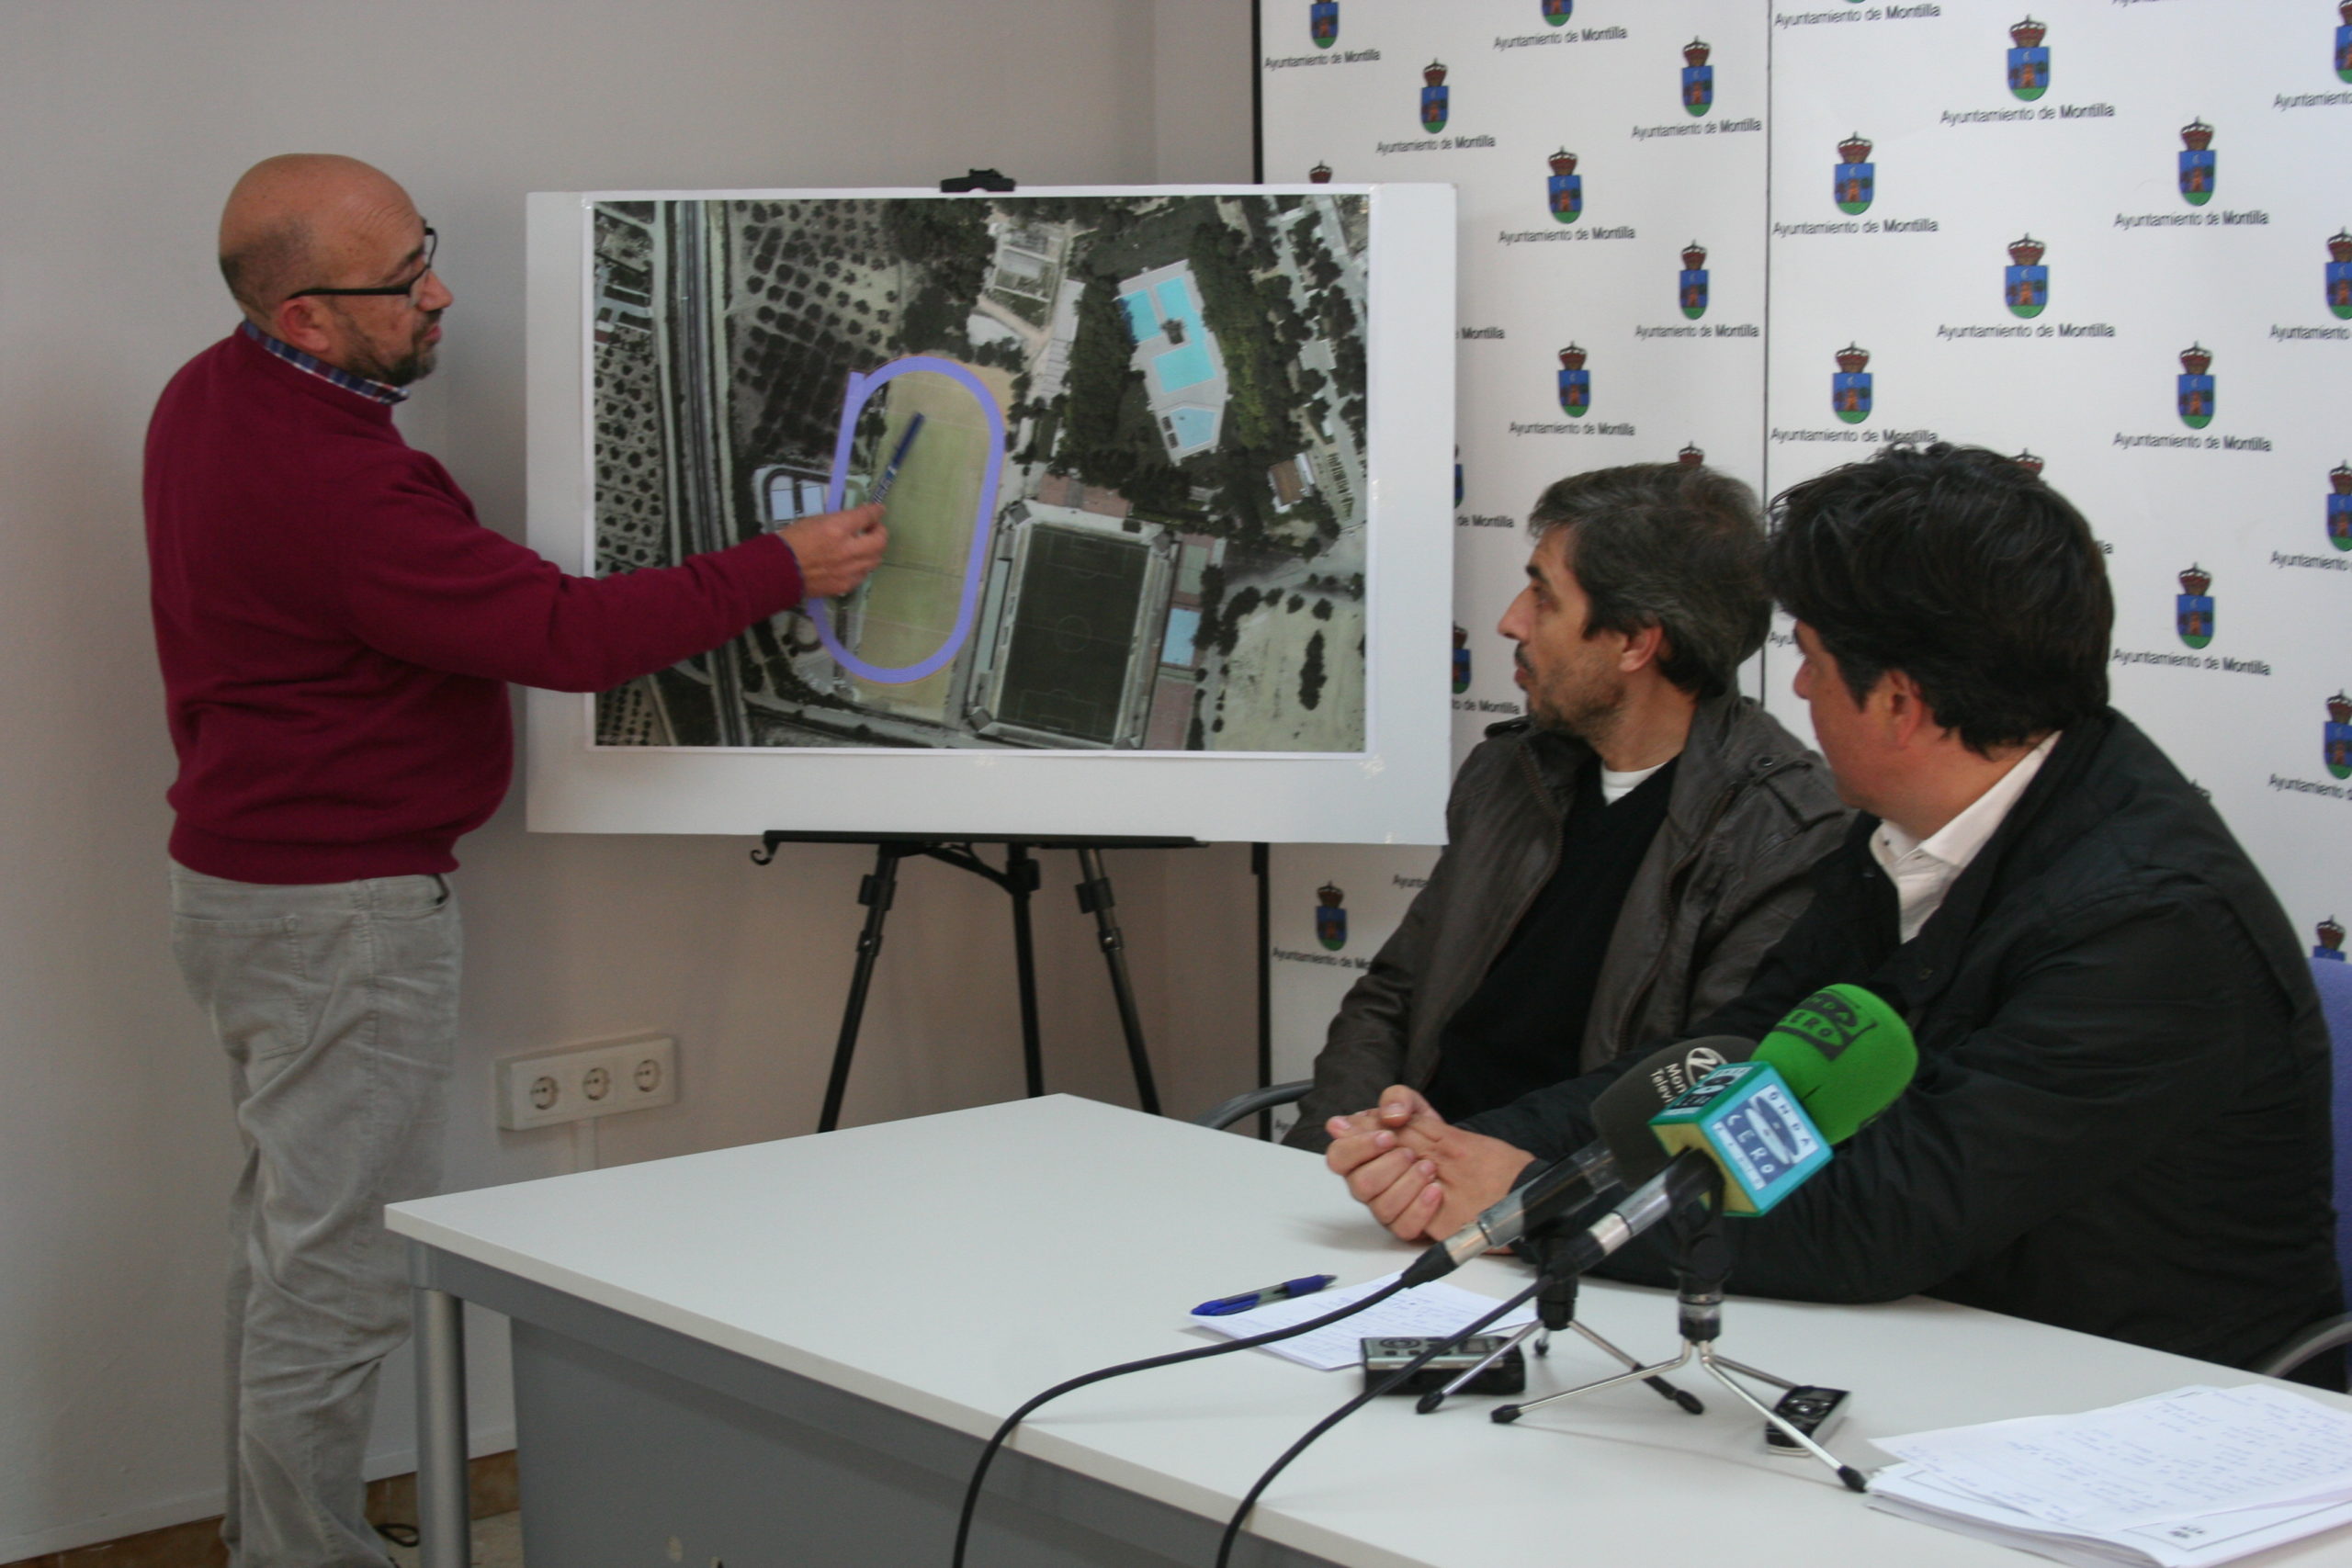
[(874, 892), (1094, 898), (1020, 881)]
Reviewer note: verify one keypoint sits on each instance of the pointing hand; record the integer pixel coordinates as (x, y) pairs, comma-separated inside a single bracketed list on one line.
[(836, 550)]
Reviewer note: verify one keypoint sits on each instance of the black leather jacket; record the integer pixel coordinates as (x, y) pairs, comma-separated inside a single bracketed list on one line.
[(1751, 810), (2120, 1119)]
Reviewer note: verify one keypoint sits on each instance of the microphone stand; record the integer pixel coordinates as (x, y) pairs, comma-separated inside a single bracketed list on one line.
[(1556, 1307), (1703, 1263)]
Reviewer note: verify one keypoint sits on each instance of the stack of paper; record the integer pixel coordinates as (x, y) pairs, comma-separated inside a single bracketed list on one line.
[(2181, 1480), (1428, 1312)]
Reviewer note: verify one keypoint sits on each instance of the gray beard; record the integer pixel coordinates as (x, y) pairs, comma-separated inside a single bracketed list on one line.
[(412, 367)]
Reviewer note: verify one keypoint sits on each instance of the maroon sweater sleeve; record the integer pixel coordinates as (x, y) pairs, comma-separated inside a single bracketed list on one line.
[(423, 581)]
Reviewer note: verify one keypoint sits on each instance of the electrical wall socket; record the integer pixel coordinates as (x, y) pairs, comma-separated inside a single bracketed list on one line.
[(580, 1081)]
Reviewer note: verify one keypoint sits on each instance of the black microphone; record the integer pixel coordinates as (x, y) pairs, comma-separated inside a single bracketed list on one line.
[(1854, 1076), (1621, 1112), (1625, 1150), (1685, 1179)]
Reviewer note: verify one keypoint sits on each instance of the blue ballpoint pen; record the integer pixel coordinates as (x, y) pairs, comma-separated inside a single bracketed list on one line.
[(1226, 1305), (890, 470)]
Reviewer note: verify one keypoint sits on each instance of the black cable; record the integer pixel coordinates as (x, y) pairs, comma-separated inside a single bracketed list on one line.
[(1250, 1501), (1201, 1352)]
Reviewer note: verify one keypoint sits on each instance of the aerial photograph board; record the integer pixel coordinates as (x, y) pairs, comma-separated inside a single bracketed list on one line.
[(1120, 441)]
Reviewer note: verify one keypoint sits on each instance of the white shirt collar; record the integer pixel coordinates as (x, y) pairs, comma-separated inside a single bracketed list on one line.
[(1615, 786), (1923, 870)]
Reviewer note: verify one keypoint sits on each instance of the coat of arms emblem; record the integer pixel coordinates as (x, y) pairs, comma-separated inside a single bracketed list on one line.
[(1698, 78), (2028, 60), (1330, 917), (1690, 288), (1575, 383), (2025, 282), (1435, 97), (1565, 190), (1849, 389), (2193, 608), (2197, 167), (2194, 387), (1856, 181)]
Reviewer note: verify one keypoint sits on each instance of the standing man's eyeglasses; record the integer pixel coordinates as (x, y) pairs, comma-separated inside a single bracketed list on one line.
[(431, 244)]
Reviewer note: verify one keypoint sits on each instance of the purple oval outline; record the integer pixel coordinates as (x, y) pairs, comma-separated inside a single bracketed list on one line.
[(861, 391)]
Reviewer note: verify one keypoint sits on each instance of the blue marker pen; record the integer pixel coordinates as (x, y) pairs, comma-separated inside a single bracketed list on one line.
[(1226, 1307), (890, 470)]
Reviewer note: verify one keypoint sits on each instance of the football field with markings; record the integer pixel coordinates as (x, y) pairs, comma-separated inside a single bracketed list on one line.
[(1074, 633)]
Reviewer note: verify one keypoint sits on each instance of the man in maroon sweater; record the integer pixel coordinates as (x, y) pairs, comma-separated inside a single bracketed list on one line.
[(337, 632)]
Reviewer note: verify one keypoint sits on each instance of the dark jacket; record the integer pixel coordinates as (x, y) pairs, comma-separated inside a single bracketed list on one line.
[(2120, 1119), (1751, 812)]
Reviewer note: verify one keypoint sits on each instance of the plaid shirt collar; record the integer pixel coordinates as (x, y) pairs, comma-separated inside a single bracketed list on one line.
[(375, 392)]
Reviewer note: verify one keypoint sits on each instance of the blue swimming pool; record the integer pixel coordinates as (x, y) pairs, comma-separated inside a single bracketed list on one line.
[(1143, 322), (1187, 364), (1182, 367), (1183, 625), (1195, 427), (1190, 364)]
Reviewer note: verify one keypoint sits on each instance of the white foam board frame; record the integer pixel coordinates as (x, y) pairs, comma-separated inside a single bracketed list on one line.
[(1392, 792)]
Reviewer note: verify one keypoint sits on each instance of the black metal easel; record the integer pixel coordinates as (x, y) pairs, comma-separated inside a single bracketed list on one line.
[(1019, 878)]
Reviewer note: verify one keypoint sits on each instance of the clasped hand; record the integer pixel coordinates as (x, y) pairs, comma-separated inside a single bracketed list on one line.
[(1420, 1176)]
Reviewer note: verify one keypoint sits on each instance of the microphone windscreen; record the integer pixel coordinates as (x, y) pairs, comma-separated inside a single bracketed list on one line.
[(1845, 1053), (1621, 1112)]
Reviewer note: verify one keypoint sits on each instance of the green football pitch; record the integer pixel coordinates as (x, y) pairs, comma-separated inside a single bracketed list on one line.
[(1073, 633)]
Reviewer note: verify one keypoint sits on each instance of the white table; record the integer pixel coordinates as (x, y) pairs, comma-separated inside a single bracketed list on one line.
[(790, 1353)]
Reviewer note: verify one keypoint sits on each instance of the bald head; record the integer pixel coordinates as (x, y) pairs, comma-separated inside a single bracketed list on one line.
[(327, 254), (304, 220)]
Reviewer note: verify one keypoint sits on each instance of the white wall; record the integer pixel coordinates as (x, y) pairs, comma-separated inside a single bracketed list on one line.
[(125, 123), (2093, 176)]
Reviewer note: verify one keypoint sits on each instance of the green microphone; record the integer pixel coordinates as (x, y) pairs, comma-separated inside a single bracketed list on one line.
[(1845, 1053)]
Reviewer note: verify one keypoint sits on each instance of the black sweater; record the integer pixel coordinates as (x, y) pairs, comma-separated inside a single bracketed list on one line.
[(1523, 1027), (2120, 1119)]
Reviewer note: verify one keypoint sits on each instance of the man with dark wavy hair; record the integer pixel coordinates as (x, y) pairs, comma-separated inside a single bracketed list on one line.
[(1618, 861), (2120, 1119)]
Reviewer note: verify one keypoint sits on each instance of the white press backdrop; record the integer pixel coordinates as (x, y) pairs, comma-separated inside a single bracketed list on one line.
[(1738, 149)]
